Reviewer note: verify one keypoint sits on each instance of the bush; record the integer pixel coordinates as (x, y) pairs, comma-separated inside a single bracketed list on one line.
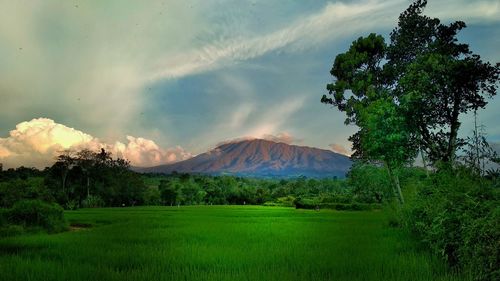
[(152, 196), (93, 201), (457, 215), (351, 206), (370, 184), (287, 201), (36, 213), (481, 248), (273, 204), (302, 203), (313, 204), (11, 230)]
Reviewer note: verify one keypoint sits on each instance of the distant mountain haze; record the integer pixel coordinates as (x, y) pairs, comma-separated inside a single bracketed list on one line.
[(261, 158)]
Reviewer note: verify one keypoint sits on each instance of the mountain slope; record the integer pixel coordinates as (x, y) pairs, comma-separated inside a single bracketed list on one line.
[(262, 158)]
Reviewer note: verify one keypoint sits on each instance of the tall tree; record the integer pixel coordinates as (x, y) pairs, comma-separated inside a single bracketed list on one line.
[(436, 79), (362, 90), (65, 161), (425, 73), (359, 80), (386, 138)]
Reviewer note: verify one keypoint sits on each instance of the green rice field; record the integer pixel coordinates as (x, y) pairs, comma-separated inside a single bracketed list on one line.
[(220, 243)]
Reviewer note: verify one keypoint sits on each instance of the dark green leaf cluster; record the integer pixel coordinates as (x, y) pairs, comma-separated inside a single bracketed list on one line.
[(419, 85), (457, 213)]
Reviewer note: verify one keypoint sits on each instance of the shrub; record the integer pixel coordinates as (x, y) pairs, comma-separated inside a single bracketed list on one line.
[(303, 203), (71, 205), (481, 248), (93, 201), (287, 201), (152, 196), (370, 183), (456, 214), (36, 213), (11, 230)]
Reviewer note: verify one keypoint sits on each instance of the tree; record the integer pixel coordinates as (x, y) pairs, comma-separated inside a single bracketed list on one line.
[(359, 81), (65, 161), (386, 138), (424, 75), (363, 91), (436, 79), (85, 159), (169, 191)]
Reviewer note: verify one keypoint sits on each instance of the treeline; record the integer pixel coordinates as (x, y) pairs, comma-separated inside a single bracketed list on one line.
[(186, 189), (34, 200), (77, 179)]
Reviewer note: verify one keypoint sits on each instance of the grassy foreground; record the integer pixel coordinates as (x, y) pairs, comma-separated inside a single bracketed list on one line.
[(220, 243)]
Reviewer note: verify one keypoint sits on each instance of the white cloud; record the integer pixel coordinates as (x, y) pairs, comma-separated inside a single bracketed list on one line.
[(272, 120), (37, 143), (469, 11), (333, 21), (338, 148), (283, 137)]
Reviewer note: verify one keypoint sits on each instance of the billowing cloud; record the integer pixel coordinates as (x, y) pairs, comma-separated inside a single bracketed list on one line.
[(37, 142), (338, 148)]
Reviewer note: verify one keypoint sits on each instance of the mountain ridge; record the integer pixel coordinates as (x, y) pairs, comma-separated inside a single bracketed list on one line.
[(261, 158)]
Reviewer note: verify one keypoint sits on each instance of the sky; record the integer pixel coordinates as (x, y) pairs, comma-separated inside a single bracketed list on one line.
[(160, 81)]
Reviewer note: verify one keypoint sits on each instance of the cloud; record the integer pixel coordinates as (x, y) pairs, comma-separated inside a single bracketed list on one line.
[(338, 148), (334, 21), (281, 137), (272, 120), (37, 143), (235, 140)]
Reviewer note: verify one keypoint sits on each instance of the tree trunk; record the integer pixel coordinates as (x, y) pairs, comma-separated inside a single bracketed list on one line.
[(455, 124), (396, 188), (65, 174), (424, 162), (88, 186)]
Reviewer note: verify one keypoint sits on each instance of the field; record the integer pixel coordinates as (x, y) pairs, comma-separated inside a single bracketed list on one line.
[(220, 243)]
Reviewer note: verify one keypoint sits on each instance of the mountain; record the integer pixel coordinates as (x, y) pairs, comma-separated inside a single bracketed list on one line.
[(261, 158)]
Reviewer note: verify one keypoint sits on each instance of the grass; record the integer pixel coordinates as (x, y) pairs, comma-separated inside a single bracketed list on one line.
[(220, 243)]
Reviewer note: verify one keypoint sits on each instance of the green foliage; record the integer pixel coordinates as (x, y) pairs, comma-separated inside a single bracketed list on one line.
[(410, 94), (76, 175), (152, 196), (36, 213), (93, 201), (436, 79), (385, 136), (16, 189), (370, 183), (11, 230), (169, 191), (457, 217)]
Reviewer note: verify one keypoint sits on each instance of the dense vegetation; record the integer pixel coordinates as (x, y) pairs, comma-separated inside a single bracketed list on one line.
[(406, 98), (221, 243)]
